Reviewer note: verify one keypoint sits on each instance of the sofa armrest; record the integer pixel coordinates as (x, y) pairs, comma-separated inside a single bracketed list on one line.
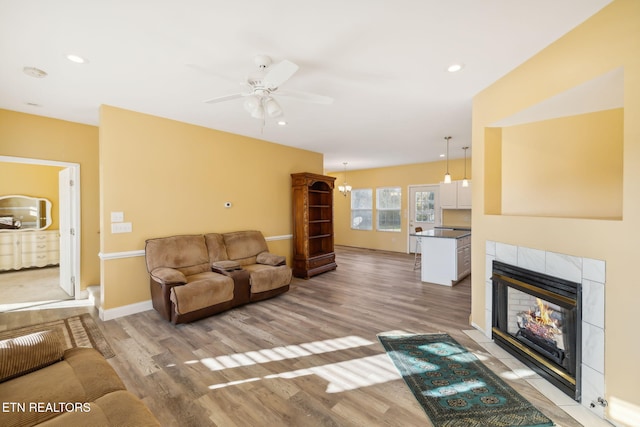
[(225, 267), (267, 258), (168, 276), (28, 353)]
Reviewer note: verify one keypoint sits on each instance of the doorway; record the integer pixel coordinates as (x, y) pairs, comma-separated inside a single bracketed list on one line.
[(424, 210), (69, 211)]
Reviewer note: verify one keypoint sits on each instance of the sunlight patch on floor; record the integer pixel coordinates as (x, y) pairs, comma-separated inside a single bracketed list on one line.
[(341, 376), (282, 353)]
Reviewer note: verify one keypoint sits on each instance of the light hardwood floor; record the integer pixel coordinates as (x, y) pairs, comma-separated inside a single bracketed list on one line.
[(309, 357)]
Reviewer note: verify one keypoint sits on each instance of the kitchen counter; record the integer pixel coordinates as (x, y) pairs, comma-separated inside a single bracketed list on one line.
[(446, 233), (446, 255)]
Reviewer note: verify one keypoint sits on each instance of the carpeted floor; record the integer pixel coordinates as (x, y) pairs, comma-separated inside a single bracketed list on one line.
[(31, 287), (75, 331), (454, 388)]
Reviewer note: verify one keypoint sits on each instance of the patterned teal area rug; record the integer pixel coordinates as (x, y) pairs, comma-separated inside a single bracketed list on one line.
[(454, 388)]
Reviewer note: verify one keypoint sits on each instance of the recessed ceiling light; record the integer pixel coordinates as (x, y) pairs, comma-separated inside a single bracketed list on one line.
[(34, 72), (282, 123), (76, 58), (441, 155), (455, 67)]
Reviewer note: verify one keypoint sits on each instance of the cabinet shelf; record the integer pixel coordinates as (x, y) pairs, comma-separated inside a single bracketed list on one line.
[(313, 251)]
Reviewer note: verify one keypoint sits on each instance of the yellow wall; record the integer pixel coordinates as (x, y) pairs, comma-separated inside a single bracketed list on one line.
[(555, 167), (606, 41), (33, 181), (29, 136), (396, 176), (169, 178)]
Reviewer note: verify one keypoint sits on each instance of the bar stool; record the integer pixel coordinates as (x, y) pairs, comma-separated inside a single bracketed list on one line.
[(417, 254)]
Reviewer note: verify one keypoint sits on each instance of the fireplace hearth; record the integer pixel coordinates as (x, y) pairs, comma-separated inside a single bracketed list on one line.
[(537, 318)]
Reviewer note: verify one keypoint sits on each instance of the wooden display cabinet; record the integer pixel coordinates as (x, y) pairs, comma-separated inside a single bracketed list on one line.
[(313, 251)]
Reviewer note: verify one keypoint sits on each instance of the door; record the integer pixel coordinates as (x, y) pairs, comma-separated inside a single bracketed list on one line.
[(424, 210), (68, 250)]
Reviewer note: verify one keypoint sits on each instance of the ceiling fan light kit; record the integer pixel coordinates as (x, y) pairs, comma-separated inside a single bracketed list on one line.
[(273, 108), (263, 84), (251, 103)]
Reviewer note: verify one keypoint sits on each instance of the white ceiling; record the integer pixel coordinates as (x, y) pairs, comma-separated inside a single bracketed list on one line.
[(384, 62)]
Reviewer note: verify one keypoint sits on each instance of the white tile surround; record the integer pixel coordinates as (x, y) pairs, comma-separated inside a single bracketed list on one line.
[(591, 274)]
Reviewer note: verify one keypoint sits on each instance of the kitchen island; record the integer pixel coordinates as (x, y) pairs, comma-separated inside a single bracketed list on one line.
[(446, 255)]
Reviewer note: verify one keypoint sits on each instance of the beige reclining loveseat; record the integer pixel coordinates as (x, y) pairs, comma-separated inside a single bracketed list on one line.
[(41, 383), (195, 276)]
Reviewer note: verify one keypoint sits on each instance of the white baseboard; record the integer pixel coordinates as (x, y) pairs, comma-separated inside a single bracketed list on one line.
[(125, 310)]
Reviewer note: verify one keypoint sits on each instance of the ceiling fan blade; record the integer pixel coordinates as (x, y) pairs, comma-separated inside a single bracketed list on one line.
[(224, 98), (305, 96), (279, 73)]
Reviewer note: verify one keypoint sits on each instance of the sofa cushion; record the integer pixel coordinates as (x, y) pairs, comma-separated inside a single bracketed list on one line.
[(186, 253), (267, 277), (244, 246), (215, 246), (27, 353), (202, 290)]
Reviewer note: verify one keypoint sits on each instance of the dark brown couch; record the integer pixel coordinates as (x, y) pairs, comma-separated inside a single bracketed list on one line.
[(43, 384), (195, 276)]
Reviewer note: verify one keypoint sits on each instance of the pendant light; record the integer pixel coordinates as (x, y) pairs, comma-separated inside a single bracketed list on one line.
[(447, 176), (345, 188), (465, 182)]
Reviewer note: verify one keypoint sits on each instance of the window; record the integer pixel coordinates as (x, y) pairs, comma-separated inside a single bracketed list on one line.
[(425, 208), (388, 208), (361, 209)]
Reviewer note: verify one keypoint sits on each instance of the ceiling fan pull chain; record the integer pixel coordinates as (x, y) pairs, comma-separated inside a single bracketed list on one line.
[(264, 116)]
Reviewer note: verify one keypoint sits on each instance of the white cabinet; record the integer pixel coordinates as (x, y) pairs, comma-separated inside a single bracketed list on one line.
[(463, 257), (455, 196), (449, 195), (464, 195), (24, 249)]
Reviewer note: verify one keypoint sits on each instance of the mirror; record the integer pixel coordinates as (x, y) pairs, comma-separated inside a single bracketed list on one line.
[(24, 213)]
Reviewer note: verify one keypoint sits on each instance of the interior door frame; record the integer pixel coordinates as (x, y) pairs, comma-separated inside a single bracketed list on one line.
[(75, 215), (438, 213)]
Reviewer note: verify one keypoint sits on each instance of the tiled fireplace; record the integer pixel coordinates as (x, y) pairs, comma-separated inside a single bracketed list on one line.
[(585, 359)]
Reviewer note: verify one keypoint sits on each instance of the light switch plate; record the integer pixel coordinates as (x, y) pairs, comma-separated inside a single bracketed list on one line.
[(121, 227), (117, 216)]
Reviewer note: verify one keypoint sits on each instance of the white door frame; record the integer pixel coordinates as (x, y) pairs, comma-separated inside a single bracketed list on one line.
[(75, 215)]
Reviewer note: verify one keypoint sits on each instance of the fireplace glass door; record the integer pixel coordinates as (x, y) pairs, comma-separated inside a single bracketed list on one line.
[(537, 318), (544, 327)]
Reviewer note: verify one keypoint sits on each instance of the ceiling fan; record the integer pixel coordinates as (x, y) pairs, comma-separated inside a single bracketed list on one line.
[(263, 84)]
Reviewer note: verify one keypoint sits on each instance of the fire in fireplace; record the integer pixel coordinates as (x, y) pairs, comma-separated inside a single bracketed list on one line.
[(539, 328), (536, 318)]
